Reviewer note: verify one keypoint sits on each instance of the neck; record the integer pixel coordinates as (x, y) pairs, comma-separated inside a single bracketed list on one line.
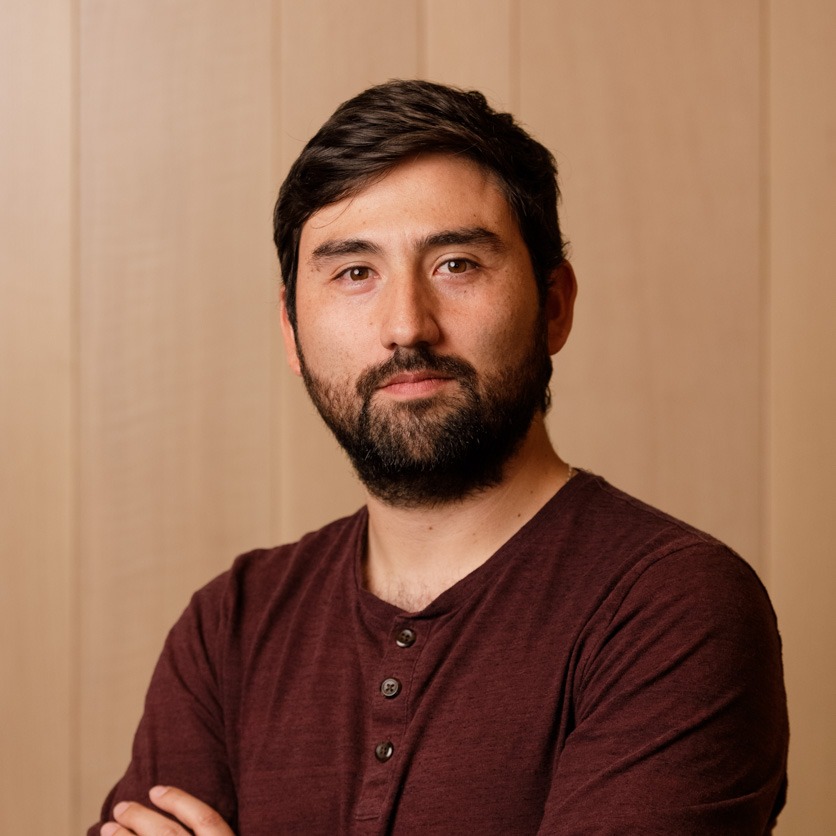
[(415, 554)]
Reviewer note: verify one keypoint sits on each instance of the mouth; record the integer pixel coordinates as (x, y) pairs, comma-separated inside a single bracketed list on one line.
[(413, 375), (415, 384)]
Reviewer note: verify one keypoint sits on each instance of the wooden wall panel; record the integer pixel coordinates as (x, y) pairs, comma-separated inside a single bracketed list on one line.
[(176, 311), (652, 109), (329, 52), (802, 386), (138, 466), (473, 44), (37, 273)]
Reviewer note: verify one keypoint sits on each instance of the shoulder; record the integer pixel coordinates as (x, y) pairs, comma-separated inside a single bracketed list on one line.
[(262, 581), (617, 567), (670, 591), (315, 553), (612, 517), (607, 533)]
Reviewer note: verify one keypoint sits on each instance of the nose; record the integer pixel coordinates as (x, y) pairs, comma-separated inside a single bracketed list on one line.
[(408, 315)]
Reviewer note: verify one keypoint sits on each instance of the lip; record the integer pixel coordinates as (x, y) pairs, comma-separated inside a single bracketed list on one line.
[(414, 384), (413, 377)]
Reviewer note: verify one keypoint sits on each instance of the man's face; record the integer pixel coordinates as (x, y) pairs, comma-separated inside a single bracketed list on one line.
[(420, 334)]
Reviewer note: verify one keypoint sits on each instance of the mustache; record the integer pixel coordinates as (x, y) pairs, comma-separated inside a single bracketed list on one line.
[(417, 359)]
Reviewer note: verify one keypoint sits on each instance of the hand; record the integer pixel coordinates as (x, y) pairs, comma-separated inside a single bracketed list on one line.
[(136, 820)]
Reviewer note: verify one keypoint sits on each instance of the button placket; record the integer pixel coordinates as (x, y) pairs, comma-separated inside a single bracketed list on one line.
[(391, 686), (389, 715)]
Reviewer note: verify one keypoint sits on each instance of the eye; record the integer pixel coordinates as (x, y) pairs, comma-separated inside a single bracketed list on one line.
[(456, 266), (356, 274)]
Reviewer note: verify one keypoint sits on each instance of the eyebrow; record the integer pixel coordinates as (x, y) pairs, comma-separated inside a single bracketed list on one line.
[(461, 236), (341, 247)]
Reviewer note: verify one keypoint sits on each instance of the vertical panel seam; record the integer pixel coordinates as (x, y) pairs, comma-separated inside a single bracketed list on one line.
[(514, 56), (75, 481), (421, 38), (275, 526), (765, 310)]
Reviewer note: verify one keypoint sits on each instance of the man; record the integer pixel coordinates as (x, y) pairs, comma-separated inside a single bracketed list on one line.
[(496, 643)]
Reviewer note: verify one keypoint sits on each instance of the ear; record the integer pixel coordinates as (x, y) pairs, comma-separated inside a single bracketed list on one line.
[(289, 335), (560, 305)]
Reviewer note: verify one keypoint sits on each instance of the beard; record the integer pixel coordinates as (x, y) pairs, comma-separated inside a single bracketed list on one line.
[(430, 451)]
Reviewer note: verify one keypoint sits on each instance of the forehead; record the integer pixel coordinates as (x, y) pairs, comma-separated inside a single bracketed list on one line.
[(416, 198)]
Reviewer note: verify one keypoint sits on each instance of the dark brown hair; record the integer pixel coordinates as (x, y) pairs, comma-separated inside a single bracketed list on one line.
[(390, 123)]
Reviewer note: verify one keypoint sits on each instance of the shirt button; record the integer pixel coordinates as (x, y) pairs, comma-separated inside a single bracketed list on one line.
[(390, 687), (384, 751), (406, 638)]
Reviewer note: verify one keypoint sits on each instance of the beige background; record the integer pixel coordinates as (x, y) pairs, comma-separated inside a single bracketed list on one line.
[(149, 431)]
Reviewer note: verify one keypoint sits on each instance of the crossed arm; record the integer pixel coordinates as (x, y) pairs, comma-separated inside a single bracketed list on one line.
[(680, 724)]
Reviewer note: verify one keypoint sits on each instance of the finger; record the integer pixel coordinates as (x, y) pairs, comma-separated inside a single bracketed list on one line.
[(138, 820), (113, 829), (193, 812)]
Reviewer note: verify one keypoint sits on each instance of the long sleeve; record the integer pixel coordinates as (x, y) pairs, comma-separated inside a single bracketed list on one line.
[(680, 723), (181, 738)]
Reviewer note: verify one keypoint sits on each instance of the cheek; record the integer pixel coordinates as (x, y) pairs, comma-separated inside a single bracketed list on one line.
[(331, 354), (339, 340), (503, 339)]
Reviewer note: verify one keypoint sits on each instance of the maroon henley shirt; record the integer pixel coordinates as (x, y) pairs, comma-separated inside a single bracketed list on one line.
[(609, 670)]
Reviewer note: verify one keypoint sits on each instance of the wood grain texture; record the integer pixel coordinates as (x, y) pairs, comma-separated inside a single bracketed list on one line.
[(150, 431), (473, 44), (652, 109), (176, 312), (37, 274), (330, 51), (802, 386)]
